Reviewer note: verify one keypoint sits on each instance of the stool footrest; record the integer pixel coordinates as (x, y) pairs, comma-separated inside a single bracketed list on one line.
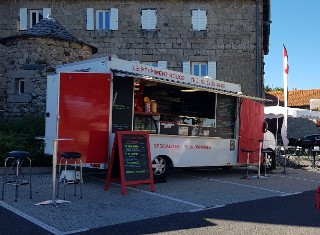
[(70, 155)]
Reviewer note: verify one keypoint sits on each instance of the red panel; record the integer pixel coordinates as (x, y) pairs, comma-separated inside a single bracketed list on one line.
[(84, 108), (251, 129)]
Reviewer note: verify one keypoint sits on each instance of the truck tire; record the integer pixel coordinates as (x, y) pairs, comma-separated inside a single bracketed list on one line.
[(160, 166), (270, 161), (226, 167)]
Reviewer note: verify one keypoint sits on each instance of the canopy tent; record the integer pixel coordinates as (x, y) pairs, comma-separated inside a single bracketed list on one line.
[(278, 112), (272, 112)]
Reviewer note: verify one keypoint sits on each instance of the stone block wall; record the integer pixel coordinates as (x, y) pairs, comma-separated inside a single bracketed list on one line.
[(299, 127), (32, 59), (2, 77), (229, 40)]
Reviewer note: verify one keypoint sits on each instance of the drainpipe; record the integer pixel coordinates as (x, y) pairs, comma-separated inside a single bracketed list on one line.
[(257, 49)]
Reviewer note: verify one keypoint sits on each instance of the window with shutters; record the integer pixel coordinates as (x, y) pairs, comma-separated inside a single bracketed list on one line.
[(30, 17), (199, 69), (151, 63), (199, 20), (148, 19), (102, 20), (162, 64), (34, 17)]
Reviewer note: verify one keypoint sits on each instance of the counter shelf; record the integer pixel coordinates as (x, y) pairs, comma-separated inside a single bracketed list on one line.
[(146, 113)]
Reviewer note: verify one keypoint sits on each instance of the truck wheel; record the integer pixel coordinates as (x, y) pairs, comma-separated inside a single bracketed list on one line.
[(270, 162), (159, 167)]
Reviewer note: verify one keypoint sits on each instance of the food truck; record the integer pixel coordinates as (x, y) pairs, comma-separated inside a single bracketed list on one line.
[(193, 121)]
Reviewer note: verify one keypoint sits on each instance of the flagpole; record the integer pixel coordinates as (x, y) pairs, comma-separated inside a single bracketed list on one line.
[(284, 133), (277, 124)]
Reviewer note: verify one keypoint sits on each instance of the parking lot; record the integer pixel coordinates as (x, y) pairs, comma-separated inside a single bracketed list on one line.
[(191, 190)]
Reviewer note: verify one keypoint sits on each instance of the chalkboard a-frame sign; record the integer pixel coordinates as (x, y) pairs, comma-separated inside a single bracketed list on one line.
[(130, 160)]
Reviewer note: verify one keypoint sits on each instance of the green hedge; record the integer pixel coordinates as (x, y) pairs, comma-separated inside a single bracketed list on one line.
[(19, 134)]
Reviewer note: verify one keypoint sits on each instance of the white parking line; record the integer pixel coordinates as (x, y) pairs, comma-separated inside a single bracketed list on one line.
[(166, 197), (155, 194), (243, 185), (30, 218), (75, 231), (207, 208), (38, 222), (297, 178), (289, 194)]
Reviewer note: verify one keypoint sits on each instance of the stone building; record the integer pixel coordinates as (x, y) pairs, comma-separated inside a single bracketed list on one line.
[(30, 57), (222, 39)]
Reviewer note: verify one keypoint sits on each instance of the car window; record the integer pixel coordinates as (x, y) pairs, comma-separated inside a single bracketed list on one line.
[(310, 137)]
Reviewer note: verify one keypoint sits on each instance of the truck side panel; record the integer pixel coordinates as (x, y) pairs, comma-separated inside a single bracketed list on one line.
[(188, 151), (84, 110)]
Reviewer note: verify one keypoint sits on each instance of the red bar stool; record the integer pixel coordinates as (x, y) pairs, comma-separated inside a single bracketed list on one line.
[(75, 156)]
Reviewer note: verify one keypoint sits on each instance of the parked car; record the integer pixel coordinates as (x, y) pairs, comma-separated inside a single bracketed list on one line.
[(309, 141)]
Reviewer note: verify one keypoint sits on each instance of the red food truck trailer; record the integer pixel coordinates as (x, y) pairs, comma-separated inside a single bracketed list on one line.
[(193, 121)]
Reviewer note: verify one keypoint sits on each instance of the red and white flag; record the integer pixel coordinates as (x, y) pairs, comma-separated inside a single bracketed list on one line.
[(285, 61), (284, 127)]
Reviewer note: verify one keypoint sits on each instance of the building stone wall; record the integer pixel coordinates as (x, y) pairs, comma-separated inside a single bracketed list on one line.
[(32, 59), (2, 77), (230, 38), (299, 127)]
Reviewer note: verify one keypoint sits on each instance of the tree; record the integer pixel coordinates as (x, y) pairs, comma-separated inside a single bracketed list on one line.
[(278, 89), (269, 88)]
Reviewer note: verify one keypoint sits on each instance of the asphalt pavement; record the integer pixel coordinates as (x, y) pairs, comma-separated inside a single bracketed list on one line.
[(295, 214), (193, 201), (11, 223)]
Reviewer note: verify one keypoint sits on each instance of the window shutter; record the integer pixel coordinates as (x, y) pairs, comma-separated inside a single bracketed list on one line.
[(23, 18), (212, 69), (152, 19), (114, 22), (144, 19), (186, 67), (194, 19), (46, 12), (148, 19), (162, 64), (202, 20), (90, 21)]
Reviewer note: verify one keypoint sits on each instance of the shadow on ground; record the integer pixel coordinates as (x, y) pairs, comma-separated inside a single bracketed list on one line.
[(294, 210)]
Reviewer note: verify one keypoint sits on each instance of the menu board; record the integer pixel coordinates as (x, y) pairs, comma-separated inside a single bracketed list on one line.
[(131, 156), (135, 157), (122, 104)]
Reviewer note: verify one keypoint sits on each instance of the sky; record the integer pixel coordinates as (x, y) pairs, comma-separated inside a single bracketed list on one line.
[(295, 23)]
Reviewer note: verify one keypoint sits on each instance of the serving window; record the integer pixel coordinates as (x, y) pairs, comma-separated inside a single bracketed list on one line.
[(177, 110)]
